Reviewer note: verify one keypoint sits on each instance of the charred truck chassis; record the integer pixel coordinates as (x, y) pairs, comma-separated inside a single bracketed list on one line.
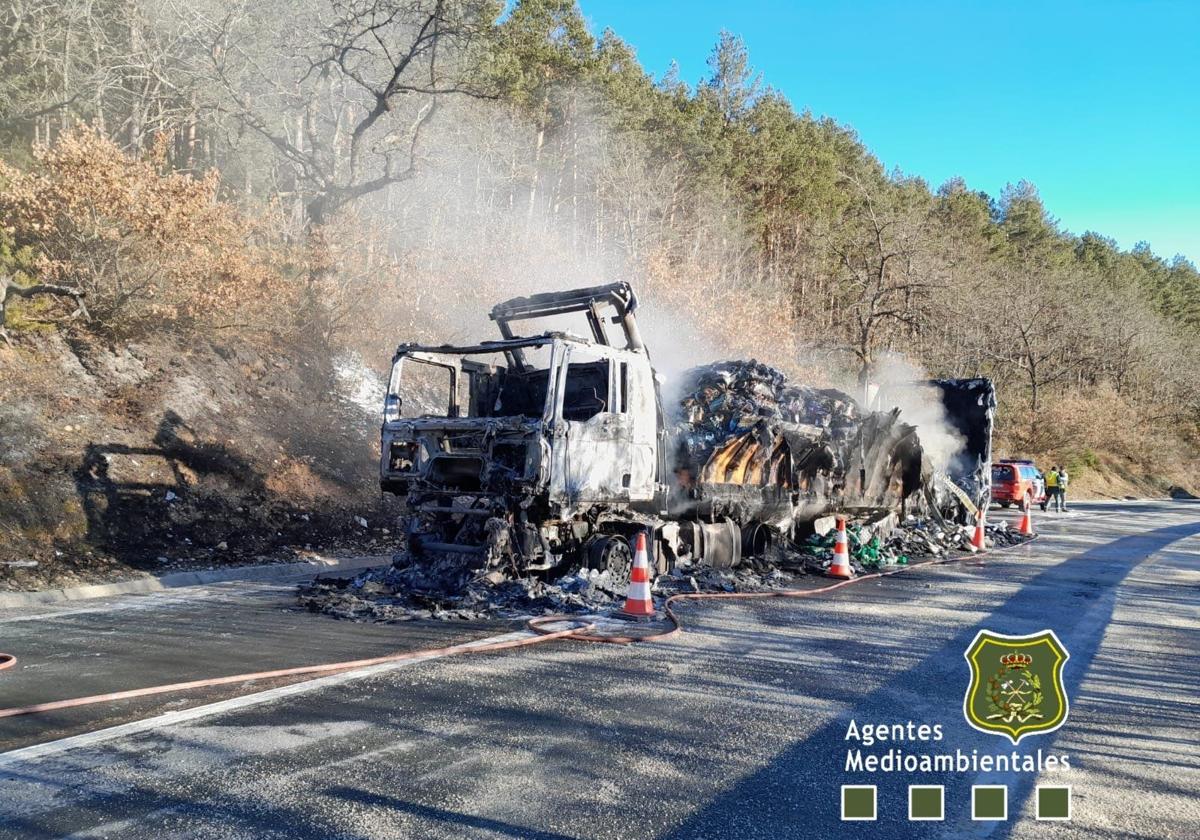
[(527, 465)]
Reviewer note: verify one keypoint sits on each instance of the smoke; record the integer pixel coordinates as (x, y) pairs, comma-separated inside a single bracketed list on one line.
[(499, 209), (675, 344), (902, 385)]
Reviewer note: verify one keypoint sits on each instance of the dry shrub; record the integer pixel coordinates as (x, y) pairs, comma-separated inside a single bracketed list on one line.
[(149, 249)]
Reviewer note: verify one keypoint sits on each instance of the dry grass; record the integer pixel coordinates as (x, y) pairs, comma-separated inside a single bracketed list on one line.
[(1111, 447)]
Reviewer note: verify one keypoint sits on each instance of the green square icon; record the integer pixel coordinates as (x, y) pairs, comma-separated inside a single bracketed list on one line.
[(858, 802), (1054, 802), (989, 802), (926, 802)]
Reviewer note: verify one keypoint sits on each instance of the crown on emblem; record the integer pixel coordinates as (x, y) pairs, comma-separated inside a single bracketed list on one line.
[(1013, 661)]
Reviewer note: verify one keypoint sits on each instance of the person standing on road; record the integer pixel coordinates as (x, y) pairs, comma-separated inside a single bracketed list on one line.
[(1051, 486), (1063, 480)]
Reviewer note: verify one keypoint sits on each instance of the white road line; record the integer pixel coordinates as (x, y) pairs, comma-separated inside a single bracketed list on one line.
[(99, 736)]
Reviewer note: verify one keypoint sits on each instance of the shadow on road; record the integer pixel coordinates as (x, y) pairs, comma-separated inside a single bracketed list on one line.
[(441, 815), (799, 791)]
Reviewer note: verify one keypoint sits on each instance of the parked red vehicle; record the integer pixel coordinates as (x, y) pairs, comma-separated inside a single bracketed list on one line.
[(1019, 482)]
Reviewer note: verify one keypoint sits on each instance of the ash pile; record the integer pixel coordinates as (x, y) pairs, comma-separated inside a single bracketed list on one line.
[(446, 587), (446, 590)]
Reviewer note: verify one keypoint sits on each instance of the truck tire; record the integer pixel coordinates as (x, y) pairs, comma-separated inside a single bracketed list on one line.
[(722, 544), (756, 537), (611, 554)]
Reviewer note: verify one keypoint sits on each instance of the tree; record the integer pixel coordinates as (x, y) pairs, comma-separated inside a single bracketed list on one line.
[(732, 84), (1032, 274), (113, 64), (886, 271), (347, 106)]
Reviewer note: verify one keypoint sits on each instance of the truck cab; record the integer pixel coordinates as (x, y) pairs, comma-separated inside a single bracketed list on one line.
[(521, 450)]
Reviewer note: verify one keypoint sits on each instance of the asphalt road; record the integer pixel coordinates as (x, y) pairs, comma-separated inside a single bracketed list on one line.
[(735, 730)]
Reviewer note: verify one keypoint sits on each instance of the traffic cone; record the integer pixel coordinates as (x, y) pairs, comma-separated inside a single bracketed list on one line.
[(840, 567), (1025, 529), (638, 603), (977, 539)]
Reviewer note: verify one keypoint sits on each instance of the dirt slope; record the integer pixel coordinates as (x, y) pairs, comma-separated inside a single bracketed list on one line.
[(117, 460)]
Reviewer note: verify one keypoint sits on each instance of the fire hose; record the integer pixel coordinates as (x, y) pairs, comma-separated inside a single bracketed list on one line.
[(583, 632)]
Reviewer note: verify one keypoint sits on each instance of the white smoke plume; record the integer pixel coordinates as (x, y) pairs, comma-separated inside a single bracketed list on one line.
[(902, 385)]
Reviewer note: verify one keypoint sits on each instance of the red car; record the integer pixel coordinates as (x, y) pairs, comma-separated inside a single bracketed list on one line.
[(1018, 482)]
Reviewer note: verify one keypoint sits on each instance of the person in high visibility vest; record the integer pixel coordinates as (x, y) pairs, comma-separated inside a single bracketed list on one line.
[(1052, 489)]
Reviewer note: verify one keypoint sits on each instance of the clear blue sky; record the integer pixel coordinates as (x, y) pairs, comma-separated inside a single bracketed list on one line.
[(1097, 103)]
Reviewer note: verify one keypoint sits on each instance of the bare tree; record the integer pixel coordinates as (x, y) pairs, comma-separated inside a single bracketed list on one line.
[(113, 64), (347, 107), (886, 271)]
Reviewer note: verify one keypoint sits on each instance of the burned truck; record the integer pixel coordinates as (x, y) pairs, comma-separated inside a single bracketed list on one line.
[(539, 452), (549, 449)]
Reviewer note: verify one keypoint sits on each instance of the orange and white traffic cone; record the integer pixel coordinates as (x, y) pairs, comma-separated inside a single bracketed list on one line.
[(977, 540), (638, 603), (1025, 529), (840, 567)]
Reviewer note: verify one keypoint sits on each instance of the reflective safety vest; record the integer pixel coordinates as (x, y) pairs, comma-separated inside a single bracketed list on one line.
[(1052, 479)]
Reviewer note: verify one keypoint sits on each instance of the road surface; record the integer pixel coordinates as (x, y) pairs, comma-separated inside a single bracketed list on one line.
[(735, 730)]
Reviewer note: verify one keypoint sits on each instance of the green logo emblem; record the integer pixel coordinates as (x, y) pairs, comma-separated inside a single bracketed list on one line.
[(1016, 684)]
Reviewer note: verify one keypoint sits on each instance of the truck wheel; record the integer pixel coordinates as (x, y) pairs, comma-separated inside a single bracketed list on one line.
[(722, 544), (611, 554), (756, 538), (1005, 505)]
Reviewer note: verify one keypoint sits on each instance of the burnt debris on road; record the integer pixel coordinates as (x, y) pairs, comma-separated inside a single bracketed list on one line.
[(447, 588)]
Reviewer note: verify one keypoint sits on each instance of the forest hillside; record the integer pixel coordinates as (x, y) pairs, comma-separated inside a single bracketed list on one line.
[(215, 227)]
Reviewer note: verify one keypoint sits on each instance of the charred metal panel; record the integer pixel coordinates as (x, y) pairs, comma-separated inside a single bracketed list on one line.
[(618, 297), (971, 408), (608, 457)]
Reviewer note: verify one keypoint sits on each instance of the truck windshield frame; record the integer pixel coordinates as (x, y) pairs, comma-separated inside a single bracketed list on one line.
[(396, 383), (501, 390)]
